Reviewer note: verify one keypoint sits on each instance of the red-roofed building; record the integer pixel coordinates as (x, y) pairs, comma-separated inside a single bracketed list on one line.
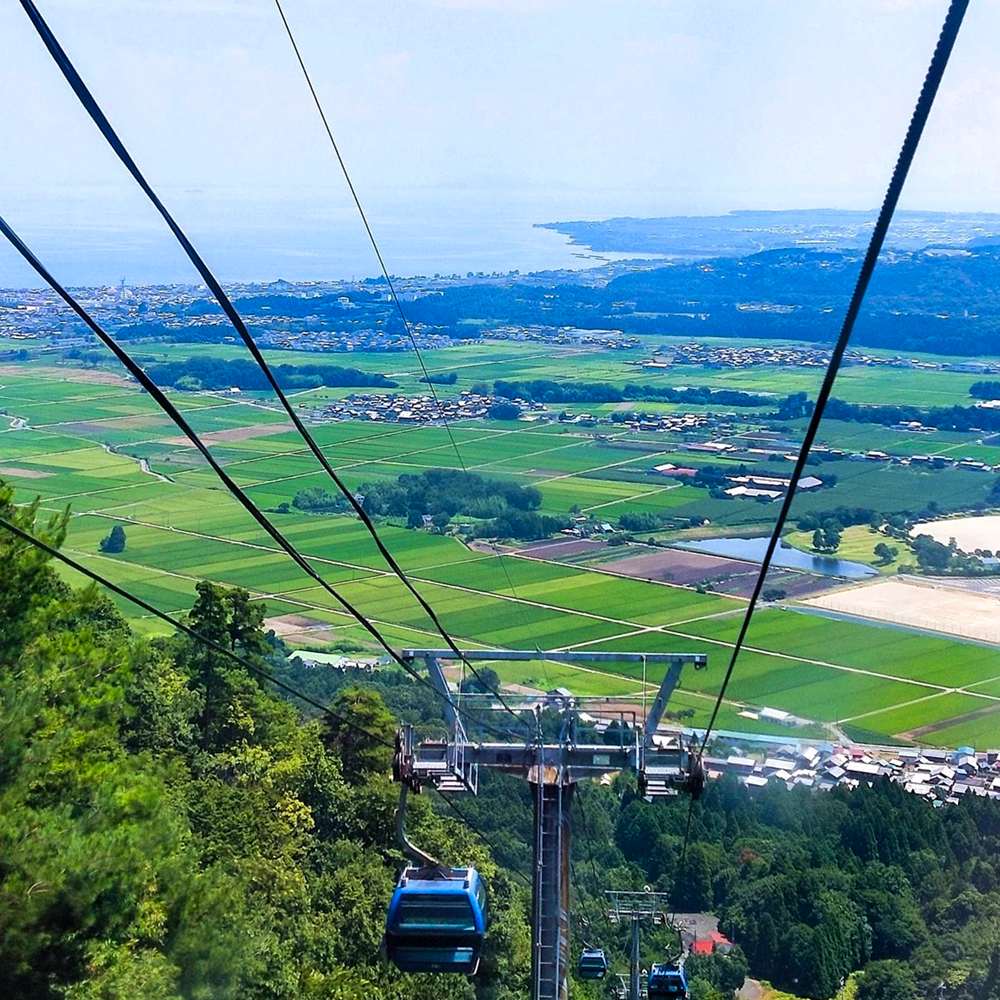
[(705, 946)]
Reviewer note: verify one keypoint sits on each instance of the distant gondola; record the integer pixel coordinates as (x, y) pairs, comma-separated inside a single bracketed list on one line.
[(593, 964), (436, 920), (666, 981)]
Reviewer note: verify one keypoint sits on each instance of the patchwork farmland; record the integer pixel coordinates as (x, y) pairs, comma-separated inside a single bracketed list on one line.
[(102, 448)]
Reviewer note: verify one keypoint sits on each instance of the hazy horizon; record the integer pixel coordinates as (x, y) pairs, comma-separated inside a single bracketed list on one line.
[(496, 112)]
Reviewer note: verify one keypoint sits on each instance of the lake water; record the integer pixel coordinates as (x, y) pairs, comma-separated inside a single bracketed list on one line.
[(98, 241), (753, 549)]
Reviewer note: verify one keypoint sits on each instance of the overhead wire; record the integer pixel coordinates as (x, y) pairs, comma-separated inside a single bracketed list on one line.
[(939, 61), (218, 647), (90, 104), (593, 867), (168, 407), (393, 293), (932, 80), (590, 848), (252, 668), (449, 802)]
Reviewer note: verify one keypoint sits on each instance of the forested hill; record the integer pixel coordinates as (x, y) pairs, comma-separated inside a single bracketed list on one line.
[(933, 301), (749, 230), (171, 829)]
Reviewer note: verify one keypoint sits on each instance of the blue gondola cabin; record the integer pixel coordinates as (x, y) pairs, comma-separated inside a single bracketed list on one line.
[(436, 920), (593, 964), (666, 982)]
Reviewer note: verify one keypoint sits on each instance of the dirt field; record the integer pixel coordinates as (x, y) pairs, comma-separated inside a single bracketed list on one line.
[(235, 434), (13, 470), (970, 533), (920, 605), (96, 376), (735, 577), (299, 630), (561, 548)]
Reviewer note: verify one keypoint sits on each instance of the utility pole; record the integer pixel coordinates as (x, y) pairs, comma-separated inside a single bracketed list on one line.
[(637, 907), (553, 769)]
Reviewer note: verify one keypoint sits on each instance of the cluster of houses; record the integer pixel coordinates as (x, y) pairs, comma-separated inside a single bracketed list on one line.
[(336, 661), (363, 339), (613, 340), (739, 357), (397, 408), (678, 423), (750, 486), (421, 409), (942, 776), (800, 357)]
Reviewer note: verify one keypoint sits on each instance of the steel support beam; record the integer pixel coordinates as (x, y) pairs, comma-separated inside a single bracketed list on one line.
[(633, 972), (553, 770), (698, 660), (550, 890)]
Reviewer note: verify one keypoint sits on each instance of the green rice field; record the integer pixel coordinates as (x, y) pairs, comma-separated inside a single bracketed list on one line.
[(83, 441)]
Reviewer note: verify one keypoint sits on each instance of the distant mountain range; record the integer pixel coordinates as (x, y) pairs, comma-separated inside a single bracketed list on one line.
[(752, 231)]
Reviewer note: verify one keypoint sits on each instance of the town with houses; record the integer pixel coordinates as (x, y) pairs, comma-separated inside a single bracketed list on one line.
[(751, 446), (40, 319), (941, 776)]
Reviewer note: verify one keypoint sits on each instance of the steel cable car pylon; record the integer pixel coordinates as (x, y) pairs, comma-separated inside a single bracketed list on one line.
[(553, 769)]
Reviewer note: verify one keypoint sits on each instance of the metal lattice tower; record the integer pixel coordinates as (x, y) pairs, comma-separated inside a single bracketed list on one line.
[(637, 907), (553, 769)]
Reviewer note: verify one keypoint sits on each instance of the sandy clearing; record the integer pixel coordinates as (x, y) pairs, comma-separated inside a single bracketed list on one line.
[(971, 533), (235, 434), (919, 605), (13, 470), (92, 375)]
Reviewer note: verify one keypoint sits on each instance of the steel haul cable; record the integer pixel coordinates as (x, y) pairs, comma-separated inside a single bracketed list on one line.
[(87, 99), (168, 407), (939, 61), (392, 291)]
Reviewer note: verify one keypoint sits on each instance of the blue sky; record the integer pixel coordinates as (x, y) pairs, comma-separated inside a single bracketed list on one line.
[(550, 109)]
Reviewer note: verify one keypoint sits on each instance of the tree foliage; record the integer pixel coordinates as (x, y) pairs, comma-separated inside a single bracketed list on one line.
[(222, 373), (114, 541), (170, 828)]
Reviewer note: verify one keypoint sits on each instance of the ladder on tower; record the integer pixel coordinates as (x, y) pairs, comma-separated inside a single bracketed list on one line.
[(551, 888)]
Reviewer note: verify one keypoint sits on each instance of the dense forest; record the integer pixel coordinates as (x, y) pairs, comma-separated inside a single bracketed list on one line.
[(220, 373), (918, 301), (547, 391), (781, 294), (501, 508), (943, 418), (171, 827)]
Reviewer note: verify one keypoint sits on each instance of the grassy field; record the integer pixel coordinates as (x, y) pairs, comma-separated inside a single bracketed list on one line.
[(857, 544), (182, 527)]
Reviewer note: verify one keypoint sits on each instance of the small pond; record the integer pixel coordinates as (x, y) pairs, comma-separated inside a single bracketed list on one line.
[(753, 549)]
